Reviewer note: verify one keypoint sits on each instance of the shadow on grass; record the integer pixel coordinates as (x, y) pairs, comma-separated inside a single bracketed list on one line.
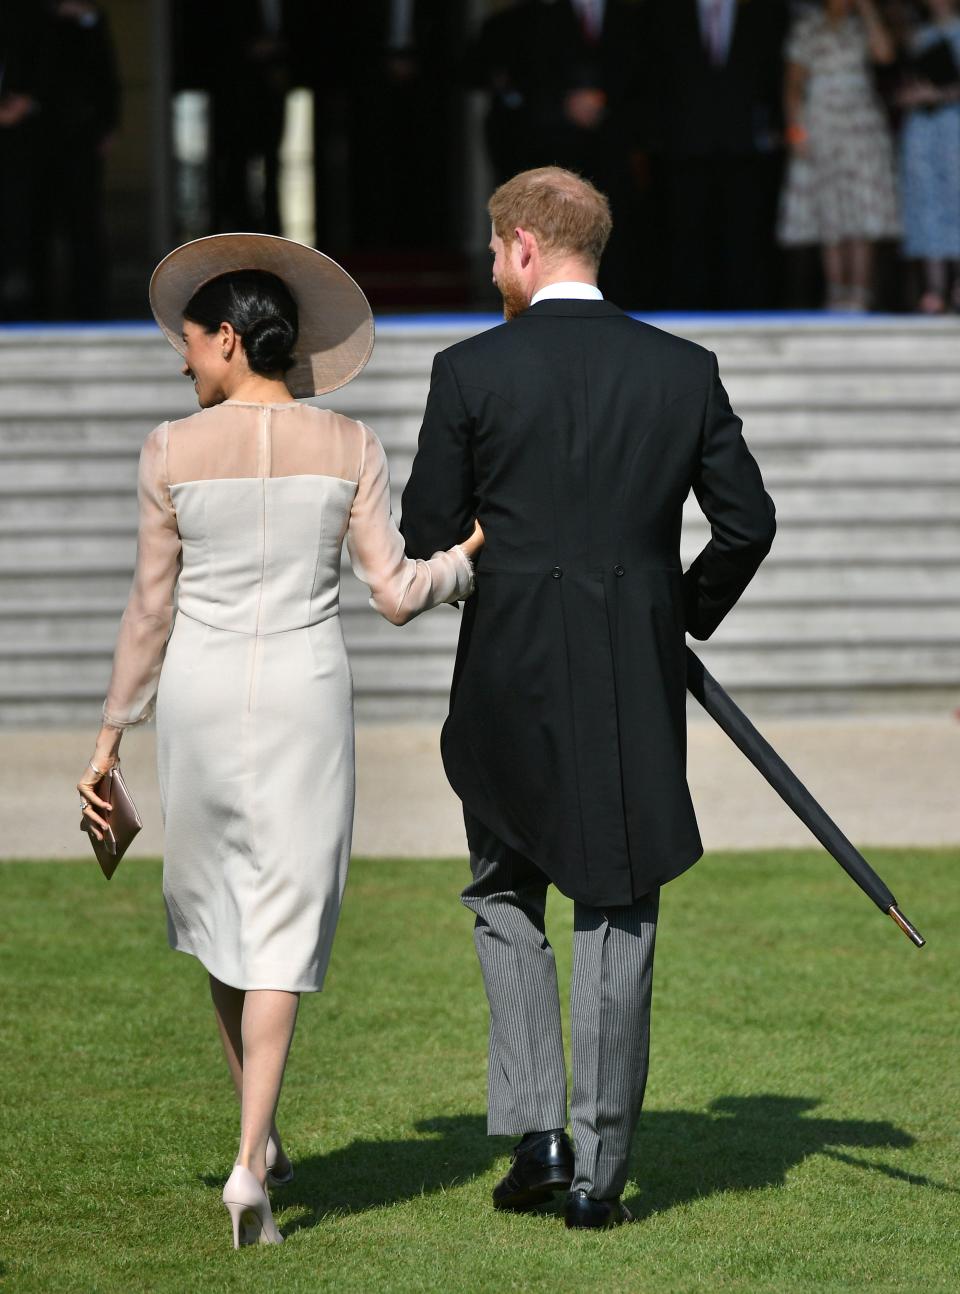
[(370, 1174), (738, 1143), (743, 1143)]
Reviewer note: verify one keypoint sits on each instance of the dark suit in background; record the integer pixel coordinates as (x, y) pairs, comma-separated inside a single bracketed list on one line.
[(533, 58), (405, 122), (65, 62), (716, 129), (250, 63), (19, 144), (575, 433)]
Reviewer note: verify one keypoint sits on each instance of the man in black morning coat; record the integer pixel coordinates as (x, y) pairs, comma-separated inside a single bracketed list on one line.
[(574, 434)]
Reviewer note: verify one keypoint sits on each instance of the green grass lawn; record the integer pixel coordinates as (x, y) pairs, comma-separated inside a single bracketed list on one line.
[(799, 1130)]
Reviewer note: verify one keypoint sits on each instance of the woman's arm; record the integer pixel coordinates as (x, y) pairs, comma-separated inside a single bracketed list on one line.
[(400, 587), (145, 625), (794, 90), (879, 40)]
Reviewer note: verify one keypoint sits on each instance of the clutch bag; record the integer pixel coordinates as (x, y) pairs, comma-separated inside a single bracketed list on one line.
[(123, 818)]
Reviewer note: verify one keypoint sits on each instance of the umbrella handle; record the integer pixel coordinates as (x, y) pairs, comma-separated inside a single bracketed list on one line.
[(910, 930)]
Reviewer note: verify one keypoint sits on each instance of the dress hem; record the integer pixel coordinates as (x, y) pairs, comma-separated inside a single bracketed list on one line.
[(180, 947)]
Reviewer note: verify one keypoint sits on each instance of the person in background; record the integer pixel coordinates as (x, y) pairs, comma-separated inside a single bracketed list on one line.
[(566, 89), (404, 122), (840, 190), (714, 80), (250, 72), (18, 155), (930, 156), (77, 93)]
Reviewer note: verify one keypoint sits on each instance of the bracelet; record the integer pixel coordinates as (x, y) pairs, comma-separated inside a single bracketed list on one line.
[(101, 772)]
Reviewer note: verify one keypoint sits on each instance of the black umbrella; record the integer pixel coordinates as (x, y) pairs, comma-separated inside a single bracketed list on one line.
[(791, 790)]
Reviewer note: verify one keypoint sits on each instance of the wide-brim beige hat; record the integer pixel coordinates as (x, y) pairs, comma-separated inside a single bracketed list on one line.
[(336, 323)]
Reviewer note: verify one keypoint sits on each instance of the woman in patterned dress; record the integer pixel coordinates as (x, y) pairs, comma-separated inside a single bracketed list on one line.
[(840, 190), (930, 163)]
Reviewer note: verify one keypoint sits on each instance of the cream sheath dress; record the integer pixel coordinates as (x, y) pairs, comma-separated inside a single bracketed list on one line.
[(244, 509)]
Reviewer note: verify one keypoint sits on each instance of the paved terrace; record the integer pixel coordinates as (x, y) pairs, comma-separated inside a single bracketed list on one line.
[(887, 781)]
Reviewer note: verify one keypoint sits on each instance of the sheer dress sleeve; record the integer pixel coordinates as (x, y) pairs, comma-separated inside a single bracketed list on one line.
[(145, 625), (400, 586)]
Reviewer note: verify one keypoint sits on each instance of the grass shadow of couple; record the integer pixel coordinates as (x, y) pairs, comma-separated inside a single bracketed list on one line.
[(738, 1143)]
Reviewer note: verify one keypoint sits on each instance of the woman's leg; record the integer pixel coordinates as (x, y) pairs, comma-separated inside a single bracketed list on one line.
[(934, 299), (269, 1016), (953, 272), (228, 1005), (834, 274), (861, 273)]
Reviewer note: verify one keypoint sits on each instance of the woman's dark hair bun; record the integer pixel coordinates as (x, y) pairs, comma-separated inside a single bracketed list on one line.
[(262, 311), (269, 343)]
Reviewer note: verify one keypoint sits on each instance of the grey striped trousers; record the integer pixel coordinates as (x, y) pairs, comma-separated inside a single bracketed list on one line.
[(609, 1012)]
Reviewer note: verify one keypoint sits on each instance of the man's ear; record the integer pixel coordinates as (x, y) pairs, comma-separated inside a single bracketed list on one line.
[(528, 245)]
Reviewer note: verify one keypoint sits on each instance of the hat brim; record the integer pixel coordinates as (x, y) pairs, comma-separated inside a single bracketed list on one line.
[(336, 330)]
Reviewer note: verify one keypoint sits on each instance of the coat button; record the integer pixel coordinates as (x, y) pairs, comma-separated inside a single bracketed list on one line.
[(618, 570), (556, 572)]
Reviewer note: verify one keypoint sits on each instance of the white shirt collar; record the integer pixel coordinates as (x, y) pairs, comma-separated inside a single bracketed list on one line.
[(569, 291)]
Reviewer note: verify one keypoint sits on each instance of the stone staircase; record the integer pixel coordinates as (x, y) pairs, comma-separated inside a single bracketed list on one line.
[(856, 425)]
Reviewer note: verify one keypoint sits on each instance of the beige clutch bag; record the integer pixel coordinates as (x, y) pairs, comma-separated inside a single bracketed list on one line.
[(124, 822)]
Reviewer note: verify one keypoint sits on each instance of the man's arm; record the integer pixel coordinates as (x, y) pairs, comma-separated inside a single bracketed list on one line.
[(438, 506), (729, 489)]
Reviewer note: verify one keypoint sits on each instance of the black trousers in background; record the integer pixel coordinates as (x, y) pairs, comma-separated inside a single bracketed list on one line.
[(719, 222), (70, 266)]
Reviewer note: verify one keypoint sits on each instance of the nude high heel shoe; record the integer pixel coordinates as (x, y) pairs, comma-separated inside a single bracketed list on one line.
[(273, 1178), (246, 1202)]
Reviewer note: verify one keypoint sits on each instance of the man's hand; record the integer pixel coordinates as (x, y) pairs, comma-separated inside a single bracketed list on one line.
[(585, 108), (14, 108)]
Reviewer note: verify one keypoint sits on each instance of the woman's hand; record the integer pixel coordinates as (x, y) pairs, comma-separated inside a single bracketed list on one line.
[(798, 141), (882, 48), (918, 94), (104, 758), (473, 545)]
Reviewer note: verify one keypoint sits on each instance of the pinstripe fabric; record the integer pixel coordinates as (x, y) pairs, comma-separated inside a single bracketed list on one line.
[(610, 1032), (610, 1012), (526, 1074)]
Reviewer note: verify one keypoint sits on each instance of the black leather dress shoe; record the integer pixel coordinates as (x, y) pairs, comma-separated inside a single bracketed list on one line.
[(542, 1164), (582, 1211)]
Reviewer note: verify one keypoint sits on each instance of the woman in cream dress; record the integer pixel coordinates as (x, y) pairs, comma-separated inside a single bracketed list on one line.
[(244, 508)]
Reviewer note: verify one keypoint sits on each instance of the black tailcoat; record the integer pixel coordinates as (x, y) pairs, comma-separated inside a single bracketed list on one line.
[(575, 433)]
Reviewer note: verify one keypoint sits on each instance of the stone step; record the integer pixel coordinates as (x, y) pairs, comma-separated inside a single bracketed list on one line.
[(143, 396), (39, 463), (779, 581), (24, 635), (766, 427), (51, 535), (840, 699), (856, 424), (797, 502), (872, 341), (769, 667)]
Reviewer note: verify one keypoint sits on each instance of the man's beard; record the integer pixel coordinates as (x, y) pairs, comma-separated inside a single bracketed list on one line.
[(515, 300)]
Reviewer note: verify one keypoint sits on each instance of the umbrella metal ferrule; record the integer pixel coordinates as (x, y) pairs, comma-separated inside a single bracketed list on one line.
[(911, 931)]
